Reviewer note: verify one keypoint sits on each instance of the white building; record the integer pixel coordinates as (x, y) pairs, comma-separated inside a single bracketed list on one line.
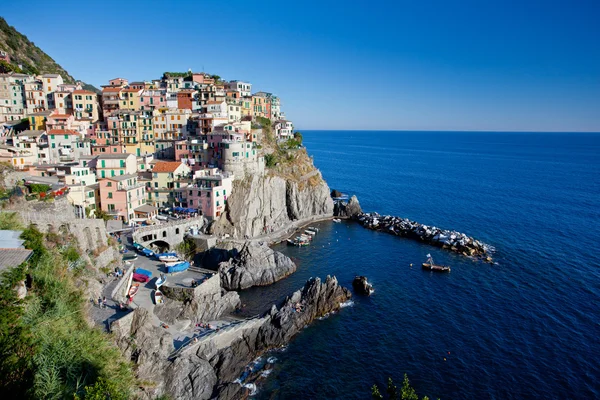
[(244, 88)]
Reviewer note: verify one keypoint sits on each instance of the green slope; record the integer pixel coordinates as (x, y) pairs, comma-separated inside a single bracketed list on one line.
[(31, 58)]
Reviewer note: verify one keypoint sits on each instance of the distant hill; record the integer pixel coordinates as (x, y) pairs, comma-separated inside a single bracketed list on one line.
[(31, 58)]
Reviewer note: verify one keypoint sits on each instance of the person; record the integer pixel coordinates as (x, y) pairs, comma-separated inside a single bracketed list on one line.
[(100, 302), (104, 302), (195, 339)]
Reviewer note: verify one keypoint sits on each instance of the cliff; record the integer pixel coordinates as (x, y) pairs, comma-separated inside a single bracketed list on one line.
[(293, 190), (255, 265), (210, 367)]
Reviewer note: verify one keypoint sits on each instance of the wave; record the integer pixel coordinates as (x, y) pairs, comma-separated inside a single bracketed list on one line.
[(348, 303)]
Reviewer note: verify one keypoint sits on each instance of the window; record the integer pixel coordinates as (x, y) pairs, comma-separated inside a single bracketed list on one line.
[(110, 195), (177, 231)]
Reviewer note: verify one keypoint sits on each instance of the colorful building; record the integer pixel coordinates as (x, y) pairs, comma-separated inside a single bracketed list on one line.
[(121, 195)]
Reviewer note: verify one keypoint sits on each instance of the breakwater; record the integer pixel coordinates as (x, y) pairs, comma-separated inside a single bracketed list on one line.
[(452, 240)]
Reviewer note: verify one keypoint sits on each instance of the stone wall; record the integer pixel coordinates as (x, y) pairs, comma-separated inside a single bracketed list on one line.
[(171, 233), (209, 287)]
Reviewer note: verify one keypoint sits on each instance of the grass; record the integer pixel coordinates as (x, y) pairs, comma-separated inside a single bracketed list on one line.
[(56, 354)]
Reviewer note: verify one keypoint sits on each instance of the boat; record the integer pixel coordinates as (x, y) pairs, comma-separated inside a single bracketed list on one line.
[(138, 247), (311, 233), (130, 257), (143, 272), (290, 242), (168, 258), (133, 289), (160, 281), (140, 278), (171, 263), (147, 252), (337, 220), (158, 297), (171, 254), (182, 266), (430, 265), (312, 228)]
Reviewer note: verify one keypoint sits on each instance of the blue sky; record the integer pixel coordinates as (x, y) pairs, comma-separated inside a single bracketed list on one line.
[(404, 65)]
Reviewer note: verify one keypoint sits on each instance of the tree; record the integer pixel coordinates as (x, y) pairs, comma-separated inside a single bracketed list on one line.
[(298, 137), (407, 392), (10, 220), (187, 249), (101, 214)]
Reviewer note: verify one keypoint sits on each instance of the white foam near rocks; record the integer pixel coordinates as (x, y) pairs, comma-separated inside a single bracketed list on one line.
[(348, 303)]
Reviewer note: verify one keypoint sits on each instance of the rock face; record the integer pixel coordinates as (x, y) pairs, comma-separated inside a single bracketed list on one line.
[(255, 265), (206, 302), (362, 286), (261, 204), (146, 345), (228, 353), (336, 193), (347, 210)]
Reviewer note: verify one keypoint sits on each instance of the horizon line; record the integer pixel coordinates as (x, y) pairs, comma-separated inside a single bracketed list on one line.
[(443, 131)]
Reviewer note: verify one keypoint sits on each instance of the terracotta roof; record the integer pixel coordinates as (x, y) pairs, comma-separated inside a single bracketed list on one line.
[(60, 116), (166, 166), (131, 90), (112, 89), (82, 92), (62, 132)]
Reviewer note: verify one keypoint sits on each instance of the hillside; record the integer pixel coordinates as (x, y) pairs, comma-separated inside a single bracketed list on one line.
[(32, 59)]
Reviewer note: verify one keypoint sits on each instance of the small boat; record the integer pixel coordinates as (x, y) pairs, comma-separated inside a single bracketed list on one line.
[(290, 242), (143, 272), (158, 297), (138, 247), (140, 278), (130, 257), (312, 228), (430, 265), (160, 281), (168, 258), (147, 252), (159, 255), (337, 220), (182, 266), (311, 233), (133, 289), (171, 263)]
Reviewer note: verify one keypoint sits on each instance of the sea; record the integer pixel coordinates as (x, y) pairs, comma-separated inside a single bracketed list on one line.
[(525, 327)]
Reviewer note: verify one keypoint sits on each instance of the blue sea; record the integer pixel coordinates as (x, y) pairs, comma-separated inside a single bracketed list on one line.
[(526, 327)]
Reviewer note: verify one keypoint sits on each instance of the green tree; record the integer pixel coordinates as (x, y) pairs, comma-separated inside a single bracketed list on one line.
[(298, 137), (407, 392), (10, 220), (39, 188), (101, 214), (187, 249)]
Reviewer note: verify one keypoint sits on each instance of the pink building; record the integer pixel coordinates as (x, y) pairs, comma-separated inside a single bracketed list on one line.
[(153, 99), (60, 121), (121, 195), (209, 192)]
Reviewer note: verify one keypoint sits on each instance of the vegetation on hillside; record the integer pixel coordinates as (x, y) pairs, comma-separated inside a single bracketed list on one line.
[(32, 59), (406, 392), (47, 350)]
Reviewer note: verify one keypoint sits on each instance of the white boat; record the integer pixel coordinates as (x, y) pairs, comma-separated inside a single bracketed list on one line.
[(312, 228), (337, 220), (160, 281), (311, 233), (171, 263), (158, 297), (168, 258)]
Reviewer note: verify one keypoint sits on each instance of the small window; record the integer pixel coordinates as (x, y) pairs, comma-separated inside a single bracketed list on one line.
[(177, 231)]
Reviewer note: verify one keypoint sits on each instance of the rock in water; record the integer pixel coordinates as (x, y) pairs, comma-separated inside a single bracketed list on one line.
[(336, 193), (350, 209), (362, 286), (255, 265)]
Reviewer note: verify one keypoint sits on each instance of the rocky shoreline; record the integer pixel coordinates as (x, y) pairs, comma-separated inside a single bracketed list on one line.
[(451, 240)]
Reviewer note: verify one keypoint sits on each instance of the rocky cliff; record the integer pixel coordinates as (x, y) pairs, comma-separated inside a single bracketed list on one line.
[(260, 204), (347, 210), (255, 265), (209, 368)]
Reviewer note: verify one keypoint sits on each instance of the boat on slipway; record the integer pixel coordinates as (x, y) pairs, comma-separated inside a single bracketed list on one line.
[(431, 266)]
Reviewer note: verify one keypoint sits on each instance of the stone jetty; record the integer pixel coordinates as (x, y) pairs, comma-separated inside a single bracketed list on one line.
[(451, 240)]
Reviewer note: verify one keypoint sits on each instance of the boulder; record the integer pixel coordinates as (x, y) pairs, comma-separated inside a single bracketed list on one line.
[(255, 265), (362, 286), (336, 193), (350, 209)]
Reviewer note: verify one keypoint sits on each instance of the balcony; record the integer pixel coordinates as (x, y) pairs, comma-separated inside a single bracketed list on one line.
[(130, 187), (68, 158)]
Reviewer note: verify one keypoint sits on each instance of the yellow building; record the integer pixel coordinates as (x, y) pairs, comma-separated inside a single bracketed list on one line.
[(37, 121), (131, 99)]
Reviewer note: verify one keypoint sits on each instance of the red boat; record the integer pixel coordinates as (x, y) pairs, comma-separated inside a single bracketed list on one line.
[(133, 289), (141, 278)]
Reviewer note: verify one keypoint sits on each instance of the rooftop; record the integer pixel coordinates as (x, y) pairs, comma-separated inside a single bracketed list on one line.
[(30, 133), (120, 178), (166, 166), (114, 156), (62, 132), (13, 257), (10, 239)]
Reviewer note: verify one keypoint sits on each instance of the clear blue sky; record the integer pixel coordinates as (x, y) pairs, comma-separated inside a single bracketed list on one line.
[(403, 65)]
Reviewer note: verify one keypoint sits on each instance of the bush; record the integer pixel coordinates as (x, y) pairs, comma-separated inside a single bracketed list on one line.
[(270, 160), (39, 188)]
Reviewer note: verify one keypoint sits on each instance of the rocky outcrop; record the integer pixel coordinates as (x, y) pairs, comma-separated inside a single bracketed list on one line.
[(347, 210), (451, 240), (361, 285), (146, 345), (229, 351), (206, 302), (255, 265), (262, 204), (336, 193)]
